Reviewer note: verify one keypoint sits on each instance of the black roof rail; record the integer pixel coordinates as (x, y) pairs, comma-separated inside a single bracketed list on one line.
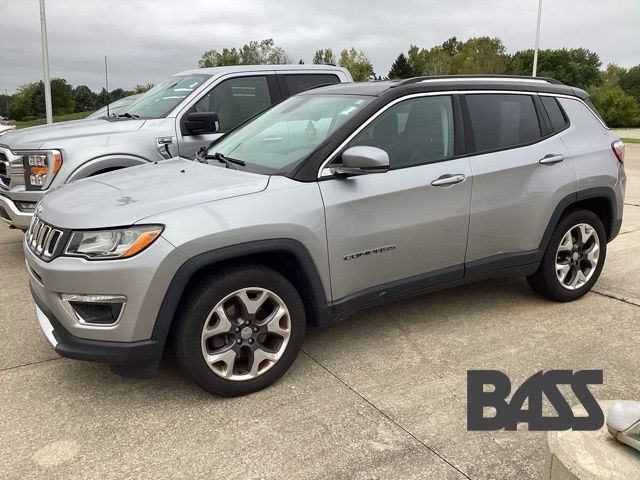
[(409, 81)]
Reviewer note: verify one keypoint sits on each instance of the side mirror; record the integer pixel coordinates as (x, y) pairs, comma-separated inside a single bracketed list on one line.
[(198, 123), (361, 161)]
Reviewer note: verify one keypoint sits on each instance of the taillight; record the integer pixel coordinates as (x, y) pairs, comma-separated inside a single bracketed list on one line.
[(618, 149)]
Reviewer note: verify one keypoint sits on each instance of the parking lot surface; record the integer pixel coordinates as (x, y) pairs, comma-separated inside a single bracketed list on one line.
[(381, 395)]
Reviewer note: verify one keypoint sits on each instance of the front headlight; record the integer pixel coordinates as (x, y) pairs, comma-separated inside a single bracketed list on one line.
[(111, 244), (40, 167)]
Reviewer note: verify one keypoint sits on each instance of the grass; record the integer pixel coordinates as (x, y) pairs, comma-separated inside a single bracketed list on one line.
[(630, 140), (56, 118)]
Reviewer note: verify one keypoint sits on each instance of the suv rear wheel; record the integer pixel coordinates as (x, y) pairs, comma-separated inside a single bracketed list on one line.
[(240, 330), (574, 257)]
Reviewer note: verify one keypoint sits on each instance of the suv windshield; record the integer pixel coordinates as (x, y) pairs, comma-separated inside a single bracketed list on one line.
[(164, 97), (284, 135)]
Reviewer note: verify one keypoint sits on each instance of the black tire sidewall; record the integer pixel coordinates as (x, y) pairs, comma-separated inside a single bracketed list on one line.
[(545, 281), (196, 309)]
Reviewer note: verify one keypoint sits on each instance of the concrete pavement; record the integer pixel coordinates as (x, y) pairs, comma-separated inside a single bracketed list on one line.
[(382, 395)]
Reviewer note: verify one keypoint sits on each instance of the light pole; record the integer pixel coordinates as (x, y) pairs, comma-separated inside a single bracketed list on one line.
[(45, 64), (535, 52)]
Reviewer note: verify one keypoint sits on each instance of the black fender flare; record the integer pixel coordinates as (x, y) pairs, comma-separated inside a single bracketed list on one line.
[(185, 273)]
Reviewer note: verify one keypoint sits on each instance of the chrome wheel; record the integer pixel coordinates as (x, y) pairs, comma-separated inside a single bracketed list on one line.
[(577, 256), (246, 333)]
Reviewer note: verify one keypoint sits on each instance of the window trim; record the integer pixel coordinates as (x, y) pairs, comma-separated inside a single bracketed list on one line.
[(464, 128), (470, 146), (322, 175), (567, 120)]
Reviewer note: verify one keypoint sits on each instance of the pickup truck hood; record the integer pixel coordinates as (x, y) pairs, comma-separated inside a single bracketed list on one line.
[(55, 134), (126, 196)]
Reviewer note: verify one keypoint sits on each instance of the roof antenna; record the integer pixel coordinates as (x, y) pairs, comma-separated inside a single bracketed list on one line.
[(106, 81)]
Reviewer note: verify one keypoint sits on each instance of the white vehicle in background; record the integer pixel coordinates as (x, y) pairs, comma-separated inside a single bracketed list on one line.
[(175, 118)]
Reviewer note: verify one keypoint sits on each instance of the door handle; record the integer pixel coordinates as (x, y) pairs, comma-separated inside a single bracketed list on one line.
[(552, 159), (448, 179)]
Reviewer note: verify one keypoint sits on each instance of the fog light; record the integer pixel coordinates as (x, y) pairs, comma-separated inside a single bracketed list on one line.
[(97, 310), (26, 206)]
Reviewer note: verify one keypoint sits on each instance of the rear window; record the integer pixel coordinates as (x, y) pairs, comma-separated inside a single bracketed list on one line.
[(502, 120), (300, 82), (556, 115)]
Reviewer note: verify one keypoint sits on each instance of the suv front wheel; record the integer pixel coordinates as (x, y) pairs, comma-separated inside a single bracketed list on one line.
[(240, 330), (574, 257)]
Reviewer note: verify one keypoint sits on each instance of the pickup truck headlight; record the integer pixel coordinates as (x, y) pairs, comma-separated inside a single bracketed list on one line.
[(40, 167), (112, 244)]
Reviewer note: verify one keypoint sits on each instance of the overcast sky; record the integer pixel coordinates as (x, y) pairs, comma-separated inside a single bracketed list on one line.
[(147, 40)]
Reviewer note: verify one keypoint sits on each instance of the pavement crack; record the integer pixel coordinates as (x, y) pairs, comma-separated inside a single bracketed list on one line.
[(633, 204), (616, 297), (31, 363), (387, 416)]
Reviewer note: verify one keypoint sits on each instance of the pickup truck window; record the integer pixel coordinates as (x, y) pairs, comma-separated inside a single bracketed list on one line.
[(285, 134), (235, 100), (164, 97)]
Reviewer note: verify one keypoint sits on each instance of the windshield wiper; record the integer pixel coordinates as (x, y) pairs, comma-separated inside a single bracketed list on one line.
[(222, 159), (128, 115)]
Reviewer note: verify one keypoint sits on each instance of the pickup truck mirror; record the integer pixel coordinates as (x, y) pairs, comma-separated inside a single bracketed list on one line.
[(198, 123), (362, 160)]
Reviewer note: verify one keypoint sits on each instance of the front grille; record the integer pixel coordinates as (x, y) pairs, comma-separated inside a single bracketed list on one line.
[(43, 239), (5, 178)]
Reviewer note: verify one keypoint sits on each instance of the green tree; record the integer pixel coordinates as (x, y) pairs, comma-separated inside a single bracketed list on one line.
[(577, 67), (141, 88), (213, 58), (324, 56), (103, 98), (357, 63), (401, 68), (630, 82), (84, 98), (479, 55), (618, 109), (264, 52)]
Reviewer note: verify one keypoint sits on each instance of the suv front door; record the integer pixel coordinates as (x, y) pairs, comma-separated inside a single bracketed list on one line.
[(407, 228)]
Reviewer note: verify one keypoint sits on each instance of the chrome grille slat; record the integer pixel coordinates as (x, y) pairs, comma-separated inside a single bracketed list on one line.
[(43, 239)]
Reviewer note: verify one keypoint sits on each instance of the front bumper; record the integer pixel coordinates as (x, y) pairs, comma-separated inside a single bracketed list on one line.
[(142, 355), (12, 215)]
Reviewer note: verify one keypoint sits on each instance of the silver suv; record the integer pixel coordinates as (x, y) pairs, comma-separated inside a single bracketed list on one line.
[(334, 200), (177, 117)]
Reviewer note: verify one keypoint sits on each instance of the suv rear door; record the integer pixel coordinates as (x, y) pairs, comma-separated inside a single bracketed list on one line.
[(395, 232), (521, 171)]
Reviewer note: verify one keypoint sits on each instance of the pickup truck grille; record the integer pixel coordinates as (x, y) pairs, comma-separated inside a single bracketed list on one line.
[(11, 169), (43, 239), (5, 178)]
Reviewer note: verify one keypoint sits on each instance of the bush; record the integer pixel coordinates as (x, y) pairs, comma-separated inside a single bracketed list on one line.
[(618, 109)]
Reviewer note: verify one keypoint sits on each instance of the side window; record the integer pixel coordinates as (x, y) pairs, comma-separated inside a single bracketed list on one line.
[(502, 120), (556, 115), (235, 100), (412, 132), (300, 82)]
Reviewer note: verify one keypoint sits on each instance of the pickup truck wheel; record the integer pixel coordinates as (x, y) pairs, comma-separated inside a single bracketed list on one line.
[(574, 257), (240, 330)]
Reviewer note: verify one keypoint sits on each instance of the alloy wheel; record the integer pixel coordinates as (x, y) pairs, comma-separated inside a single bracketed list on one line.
[(577, 256), (246, 333)]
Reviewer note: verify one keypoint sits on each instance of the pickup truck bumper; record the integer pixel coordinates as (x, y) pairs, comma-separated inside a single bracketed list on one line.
[(12, 215)]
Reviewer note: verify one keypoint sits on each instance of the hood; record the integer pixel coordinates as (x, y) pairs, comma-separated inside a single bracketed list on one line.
[(54, 135), (126, 196)]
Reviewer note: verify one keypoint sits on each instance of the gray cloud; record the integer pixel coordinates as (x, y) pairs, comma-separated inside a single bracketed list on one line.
[(147, 40)]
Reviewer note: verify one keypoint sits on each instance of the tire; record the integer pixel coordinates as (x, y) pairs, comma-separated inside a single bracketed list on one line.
[(255, 328), (565, 284)]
